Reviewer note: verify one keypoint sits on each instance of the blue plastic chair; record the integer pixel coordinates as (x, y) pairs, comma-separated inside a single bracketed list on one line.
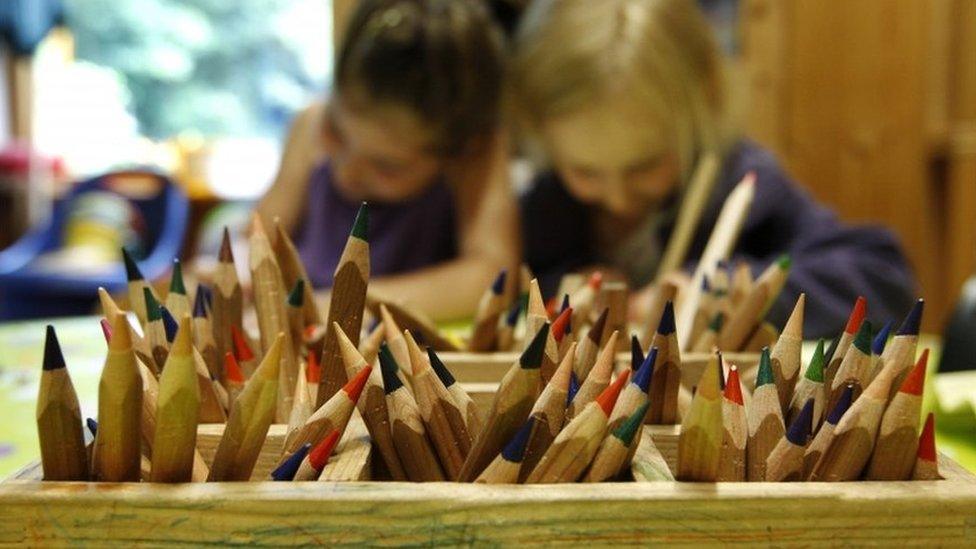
[(28, 292)]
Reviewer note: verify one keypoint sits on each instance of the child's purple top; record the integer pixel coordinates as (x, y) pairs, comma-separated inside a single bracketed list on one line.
[(403, 236), (832, 262)]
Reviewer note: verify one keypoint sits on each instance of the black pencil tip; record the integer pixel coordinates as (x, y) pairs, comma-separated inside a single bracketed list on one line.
[(565, 304), (169, 323), (297, 295), (831, 350), (390, 370), (913, 320), (636, 353), (532, 356), (666, 326), (445, 375), (176, 282), (53, 357), (360, 227), (132, 272)]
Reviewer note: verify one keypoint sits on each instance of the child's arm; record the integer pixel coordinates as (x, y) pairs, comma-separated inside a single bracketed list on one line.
[(488, 224), (303, 147)]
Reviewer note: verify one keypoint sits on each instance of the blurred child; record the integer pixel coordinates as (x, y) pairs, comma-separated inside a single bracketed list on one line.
[(412, 127), (624, 97)]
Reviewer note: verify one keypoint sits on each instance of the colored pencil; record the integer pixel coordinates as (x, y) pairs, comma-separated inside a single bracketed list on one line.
[(584, 298), (59, 429), (897, 446), (617, 448), (785, 462), (900, 353), (635, 394), (562, 330), (269, 303), (155, 330), (243, 353), (700, 441), (178, 406), (927, 460), (666, 380), (509, 408), (303, 405), (825, 435), (203, 338), (577, 444), (409, 436), (636, 353), (250, 418), (740, 283), (286, 470), (785, 356), (369, 347), (735, 431), (858, 313), (695, 198), (372, 405), (334, 414), (136, 286), (506, 328), (856, 432), (705, 313), (765, 420), (228, 301), (472, 418), (750, 312), (234, 378), (295, 313), (706, 342), (398, 347), (810, 386), (505, 468), (548, 414), (665, 292), (855, 366), (878, 345), (293, 271), (177, 300), (320, 456), (589, 347), (484, 333), (139, 344), (311, 467), (597, 380), (443, 419), (117, 444)]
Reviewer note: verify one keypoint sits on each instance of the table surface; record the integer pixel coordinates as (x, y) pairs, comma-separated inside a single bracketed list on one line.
[(952, 396)]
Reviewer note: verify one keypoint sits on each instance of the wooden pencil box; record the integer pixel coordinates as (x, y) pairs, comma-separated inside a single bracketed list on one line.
[(366, 512)]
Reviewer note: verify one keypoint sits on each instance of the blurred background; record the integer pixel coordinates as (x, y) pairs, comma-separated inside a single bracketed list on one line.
[(870, 104)]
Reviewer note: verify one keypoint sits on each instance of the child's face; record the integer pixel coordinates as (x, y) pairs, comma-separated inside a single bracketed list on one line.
[(379, 155), (609, 156)]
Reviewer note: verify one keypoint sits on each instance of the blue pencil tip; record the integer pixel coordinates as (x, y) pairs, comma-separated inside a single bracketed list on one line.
[(92, 426), (513, 315), (574, 386), (287, 470), (666, 327), (800, 429), (913, 320), (642, 378), (843, 403), (499, 284), (169, 323), (881, 339), (514, 451)]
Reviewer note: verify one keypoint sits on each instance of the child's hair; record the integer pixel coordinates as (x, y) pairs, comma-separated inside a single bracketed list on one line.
[(572, 53), (442, 60)]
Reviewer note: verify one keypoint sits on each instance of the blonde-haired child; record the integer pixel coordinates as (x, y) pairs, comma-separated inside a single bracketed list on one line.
[(624, 97), (412, 125)]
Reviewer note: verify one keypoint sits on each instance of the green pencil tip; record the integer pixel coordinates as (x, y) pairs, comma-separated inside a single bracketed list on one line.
[(153, 311), (532, 357), (628, 429), (863, 338), (176, 282), (815, 369), (716, 324), (297, 294), (784, 261), (360, 227), (765, 374)]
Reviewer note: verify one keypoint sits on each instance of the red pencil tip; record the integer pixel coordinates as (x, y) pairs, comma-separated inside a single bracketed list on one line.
[(241, 349), (106, 329), (915, 380), (926, 442), (551, 306), (319, 455), (857, 315), (733, 389), (559, 325), (355, 386), (596, 280), (313, 370), (309, 332), (608, 397), (231, 369)]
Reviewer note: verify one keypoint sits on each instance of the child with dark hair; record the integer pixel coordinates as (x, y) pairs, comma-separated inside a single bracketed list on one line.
[(412, 126)]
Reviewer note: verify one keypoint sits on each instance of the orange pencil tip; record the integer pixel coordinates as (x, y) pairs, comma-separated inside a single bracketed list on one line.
[(232, 371), (241, 349), (559, 325), (608, 397), (733, 389), (914, 382), (319, 455), (355, 386), (926, 442)]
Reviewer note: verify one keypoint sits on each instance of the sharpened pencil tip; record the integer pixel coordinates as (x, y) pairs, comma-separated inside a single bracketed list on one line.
[(319, 455), (666, 326), (287, 470), (608, 397), (636, 353), (574, 386), (914, 382), (783, 262), (92, 426), (765, 374), (169, 323), (733, 387), (498, 286), (926, 441), (829, 355), (914, 319), (297, 295), (596, 330), (799, 430), (106, 329), (815, 370), (389, 369), (560, 326), (176, 280), (53, 358), (532, 356), (153, 312), (200, 303), (241, 348), (843, 403), (226, 254), (513, 315), (360, 227), (565, 305), (132, 272), (628, 429), (862, 341), (642, 377), (439, 368), (232, 370), (857, 315), (514, 451), (881, 339)]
